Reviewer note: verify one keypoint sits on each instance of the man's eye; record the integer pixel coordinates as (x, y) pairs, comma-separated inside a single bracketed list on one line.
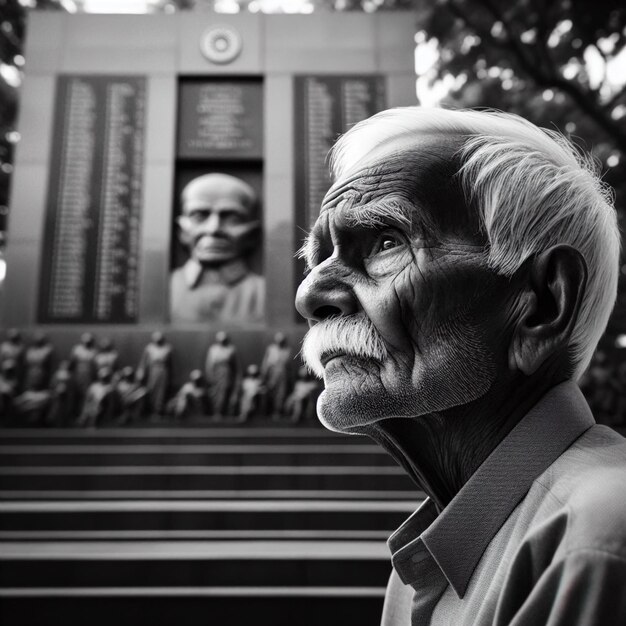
[(232, 219), (197, 217), (387, 241)]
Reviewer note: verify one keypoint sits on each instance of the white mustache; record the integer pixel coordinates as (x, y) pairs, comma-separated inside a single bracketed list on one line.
[(345, 335)]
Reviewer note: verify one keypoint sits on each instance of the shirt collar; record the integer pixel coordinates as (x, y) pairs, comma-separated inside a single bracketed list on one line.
[(480, 508), (229, 273)]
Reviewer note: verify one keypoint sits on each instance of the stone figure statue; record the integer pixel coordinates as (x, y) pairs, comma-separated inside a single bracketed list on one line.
[(63, 402), (253, 394), (107, 355), (192, 400), (38, 363), (32, 404), (301, 402), (154, 372), (219, 226), (83, 365), (275, 372), (101, 402), (223, 374), (132, 396), (13, 349), (9, 386)]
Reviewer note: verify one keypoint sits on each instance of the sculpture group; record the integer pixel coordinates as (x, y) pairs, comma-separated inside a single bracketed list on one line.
[(92, 388)]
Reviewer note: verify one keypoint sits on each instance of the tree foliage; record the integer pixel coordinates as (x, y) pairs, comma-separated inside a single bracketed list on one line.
[(558, 63)]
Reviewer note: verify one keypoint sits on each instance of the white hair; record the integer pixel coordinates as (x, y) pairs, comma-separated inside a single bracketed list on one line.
[(532, 188)]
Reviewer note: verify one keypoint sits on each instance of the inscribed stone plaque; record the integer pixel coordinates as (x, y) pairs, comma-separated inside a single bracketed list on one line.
[(220, 119), (325, 107), (91, 240)]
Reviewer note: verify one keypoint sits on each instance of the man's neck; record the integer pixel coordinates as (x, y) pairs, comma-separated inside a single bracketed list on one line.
[(228, 272), (441, 451)]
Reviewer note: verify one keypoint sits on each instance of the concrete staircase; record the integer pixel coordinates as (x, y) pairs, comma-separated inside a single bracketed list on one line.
[(196, 525)]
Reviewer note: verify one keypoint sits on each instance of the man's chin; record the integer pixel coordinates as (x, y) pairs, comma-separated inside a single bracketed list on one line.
[(331, 416), (353, 395), (346, 412)]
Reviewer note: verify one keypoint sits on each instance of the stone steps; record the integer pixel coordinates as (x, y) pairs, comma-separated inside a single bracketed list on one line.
[(196, 525)]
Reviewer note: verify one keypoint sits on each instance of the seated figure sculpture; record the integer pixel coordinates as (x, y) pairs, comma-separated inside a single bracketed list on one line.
[(192, 399), (132, 395)]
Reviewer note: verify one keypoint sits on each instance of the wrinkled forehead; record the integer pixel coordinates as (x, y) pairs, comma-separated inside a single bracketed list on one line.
[(418, 172)]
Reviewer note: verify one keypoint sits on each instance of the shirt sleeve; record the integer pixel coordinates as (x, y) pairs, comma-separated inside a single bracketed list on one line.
[(585, 588)]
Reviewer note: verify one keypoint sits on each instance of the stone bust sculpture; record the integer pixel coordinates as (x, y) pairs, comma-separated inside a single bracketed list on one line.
[(220, 228)]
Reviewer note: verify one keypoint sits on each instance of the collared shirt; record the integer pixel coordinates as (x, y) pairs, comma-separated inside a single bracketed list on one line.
[(230, 293), (537, 535)]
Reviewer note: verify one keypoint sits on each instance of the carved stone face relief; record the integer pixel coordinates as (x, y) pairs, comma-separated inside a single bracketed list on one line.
[(217, 219)]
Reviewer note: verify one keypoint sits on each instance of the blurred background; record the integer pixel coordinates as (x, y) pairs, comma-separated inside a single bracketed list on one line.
[(159, 465)]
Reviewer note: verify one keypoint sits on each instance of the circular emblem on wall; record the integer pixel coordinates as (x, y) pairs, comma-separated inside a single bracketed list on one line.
[(221, 44)]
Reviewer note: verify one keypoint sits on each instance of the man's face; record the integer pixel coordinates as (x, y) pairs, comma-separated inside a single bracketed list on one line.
[(397, 255), (216, 221)]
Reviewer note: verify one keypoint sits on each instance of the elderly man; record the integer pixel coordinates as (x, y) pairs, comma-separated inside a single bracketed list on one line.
[(219, 227), (462, 270)]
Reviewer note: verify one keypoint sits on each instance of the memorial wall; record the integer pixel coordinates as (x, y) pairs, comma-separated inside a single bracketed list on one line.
[(129, 124), (93, 214)]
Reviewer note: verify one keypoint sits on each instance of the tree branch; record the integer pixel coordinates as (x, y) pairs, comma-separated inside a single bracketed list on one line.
[(594, 110), (614, 99), (530, 65), (585, 100)]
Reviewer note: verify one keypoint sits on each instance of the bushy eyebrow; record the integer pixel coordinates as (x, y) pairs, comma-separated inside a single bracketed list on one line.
[(309, 251), (380, 213), (388, 212)]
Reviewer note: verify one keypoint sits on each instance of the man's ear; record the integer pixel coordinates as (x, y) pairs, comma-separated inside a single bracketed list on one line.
[(548, 308), (182, 222)]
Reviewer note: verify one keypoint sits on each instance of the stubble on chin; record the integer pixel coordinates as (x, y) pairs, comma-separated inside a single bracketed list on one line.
[(355, 395)]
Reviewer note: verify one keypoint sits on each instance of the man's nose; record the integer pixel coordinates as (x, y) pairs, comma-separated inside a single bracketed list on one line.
[(325, 293), (212, 224)]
